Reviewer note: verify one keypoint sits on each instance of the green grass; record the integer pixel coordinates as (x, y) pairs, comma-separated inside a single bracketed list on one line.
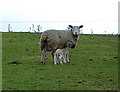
[(93, 64)]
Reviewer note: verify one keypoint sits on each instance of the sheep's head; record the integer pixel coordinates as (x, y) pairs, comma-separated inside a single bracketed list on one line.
[(75, 29)]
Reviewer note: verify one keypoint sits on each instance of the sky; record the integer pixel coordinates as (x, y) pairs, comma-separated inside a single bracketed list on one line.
[(98, 15)]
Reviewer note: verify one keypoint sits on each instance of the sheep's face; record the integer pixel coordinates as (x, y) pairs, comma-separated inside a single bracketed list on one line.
[(75, 29)]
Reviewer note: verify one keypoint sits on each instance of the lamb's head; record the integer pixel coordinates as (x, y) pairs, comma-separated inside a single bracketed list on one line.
[(75, 29)]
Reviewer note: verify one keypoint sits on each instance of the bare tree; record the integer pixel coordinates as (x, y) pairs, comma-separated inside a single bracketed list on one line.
[(30, 29), (105, 31), (91, 31), (9, 28), (39, 28), (113, 33), (33, 29)]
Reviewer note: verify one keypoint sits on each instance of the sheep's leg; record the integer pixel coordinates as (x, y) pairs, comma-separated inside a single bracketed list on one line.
[(43, 58), (52, 53), (66, 55), (57, 61)]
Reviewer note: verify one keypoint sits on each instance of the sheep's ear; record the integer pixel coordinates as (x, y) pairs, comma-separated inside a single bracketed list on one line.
[(70, 26), (80, 26)]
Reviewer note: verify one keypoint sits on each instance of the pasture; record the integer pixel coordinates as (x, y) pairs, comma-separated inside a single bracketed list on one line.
[(93, 64)]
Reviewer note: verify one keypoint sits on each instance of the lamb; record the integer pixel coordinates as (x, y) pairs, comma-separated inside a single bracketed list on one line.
[(58, 56), (51, 40)]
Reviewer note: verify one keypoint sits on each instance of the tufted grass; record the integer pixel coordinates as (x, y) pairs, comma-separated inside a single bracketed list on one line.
[(93, 64)]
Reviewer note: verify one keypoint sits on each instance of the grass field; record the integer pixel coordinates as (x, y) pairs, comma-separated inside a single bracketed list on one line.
[(93, 64)]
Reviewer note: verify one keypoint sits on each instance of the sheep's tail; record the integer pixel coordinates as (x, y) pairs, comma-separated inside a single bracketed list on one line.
[(43, 41)]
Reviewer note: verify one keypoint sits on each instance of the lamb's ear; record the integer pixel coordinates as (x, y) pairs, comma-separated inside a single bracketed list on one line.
[(70, 26), (80, 26)]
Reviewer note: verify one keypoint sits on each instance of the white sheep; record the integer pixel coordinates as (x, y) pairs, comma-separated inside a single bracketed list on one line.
[(51, 40), (59, 56)]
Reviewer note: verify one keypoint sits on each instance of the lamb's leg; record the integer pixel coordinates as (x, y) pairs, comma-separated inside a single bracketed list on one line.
[(66, 55), (64, 58), (60, 58), (52, 53), (61, 62), (43, 58), (55, 62)]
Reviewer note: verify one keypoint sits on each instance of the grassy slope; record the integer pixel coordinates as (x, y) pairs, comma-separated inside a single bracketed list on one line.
[(93, 64)]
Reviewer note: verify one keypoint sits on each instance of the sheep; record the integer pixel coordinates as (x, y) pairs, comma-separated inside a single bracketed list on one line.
[(51, 40), (58, 56)]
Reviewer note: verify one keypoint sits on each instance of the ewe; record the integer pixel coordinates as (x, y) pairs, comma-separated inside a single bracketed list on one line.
[(51, 40)]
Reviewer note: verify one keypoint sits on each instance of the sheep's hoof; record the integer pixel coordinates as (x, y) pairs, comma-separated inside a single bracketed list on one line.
[(68, 61), (53, 62), (42, 62), (65, 62)]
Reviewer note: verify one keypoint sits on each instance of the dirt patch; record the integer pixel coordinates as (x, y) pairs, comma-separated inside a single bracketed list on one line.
[(14, 62)]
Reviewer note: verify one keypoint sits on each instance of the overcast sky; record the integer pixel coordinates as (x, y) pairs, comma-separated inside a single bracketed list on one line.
[(99, 15)]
